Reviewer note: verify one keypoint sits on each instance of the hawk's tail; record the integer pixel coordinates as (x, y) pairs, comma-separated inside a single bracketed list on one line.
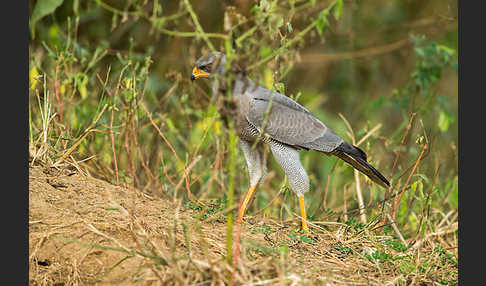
[(357, 158)]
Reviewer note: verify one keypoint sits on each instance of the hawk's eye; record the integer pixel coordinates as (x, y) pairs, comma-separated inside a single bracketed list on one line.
[(205, 68)]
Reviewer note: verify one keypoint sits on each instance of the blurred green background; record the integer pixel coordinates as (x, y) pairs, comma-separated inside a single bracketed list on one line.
[(125, 66)]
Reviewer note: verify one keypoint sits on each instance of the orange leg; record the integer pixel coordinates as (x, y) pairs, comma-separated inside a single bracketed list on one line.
[(244, 205), (305, 228)]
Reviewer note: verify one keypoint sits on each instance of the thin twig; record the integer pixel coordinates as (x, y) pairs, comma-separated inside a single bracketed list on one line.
[(75, 145), (402, 142), (112, 138), (399, 197), (199, 28), (320, 58), (292, 41), (361, 204), (188, 169), (162, 19), (369, 134), (442, 231), (397, 231), (189, 194), (326, 191)]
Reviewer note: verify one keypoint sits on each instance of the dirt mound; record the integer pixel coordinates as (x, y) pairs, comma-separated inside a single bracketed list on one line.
[(81, 230), (86, 231)]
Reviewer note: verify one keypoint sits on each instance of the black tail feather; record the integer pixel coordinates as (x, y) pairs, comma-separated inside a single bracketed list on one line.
[(357, 158)]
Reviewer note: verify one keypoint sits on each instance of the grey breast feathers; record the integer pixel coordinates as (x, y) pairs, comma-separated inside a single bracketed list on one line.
[(289, 122)]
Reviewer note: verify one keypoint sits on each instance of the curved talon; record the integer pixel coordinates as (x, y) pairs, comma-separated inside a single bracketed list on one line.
[(242, 221), (246, 201)]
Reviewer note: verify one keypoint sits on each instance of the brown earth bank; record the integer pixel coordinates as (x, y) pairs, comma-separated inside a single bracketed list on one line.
[(85, 231)]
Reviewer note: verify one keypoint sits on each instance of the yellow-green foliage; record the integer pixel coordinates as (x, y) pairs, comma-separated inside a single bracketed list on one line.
[(125, 66)]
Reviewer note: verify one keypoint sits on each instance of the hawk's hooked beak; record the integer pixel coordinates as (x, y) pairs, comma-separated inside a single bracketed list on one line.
[(197, 73)]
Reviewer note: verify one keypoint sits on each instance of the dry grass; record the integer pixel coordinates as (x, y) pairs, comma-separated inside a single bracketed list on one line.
[(118, 105), (86, 231)]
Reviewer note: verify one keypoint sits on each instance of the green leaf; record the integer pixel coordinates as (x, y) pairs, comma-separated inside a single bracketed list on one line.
[(81, 82), (43, 8), (413, 187), (419, 51), (265, 51), (307, 239), (406, 267), (322, 21), (448, 50), (444, 121), (338, 9), (421, 190)]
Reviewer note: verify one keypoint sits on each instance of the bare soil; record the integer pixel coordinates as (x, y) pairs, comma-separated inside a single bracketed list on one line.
[(85, 231)]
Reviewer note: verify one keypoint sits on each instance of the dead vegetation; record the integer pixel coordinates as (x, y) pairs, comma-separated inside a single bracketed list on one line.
[(134, 175), (85, 231)]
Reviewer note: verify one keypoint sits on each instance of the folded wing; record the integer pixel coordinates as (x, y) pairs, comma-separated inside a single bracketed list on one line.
[(286, 121)]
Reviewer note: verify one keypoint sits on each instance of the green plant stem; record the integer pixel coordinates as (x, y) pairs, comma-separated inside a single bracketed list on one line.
[(245, 35), (116, 11), (199, 29), (165, 19), (191, 34), (231, 187), (298, 37), (232, 139)]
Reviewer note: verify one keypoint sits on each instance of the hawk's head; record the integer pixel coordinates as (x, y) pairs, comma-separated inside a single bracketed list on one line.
[(208, 64)]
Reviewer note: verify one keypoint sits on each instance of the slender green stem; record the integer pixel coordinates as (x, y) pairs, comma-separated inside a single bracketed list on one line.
[(191, 34), (115, 10), (154, 20), (199, 29), (232, 160), (176, 15), (231, 188), (282, 48), (245, 35), (298, 37)]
